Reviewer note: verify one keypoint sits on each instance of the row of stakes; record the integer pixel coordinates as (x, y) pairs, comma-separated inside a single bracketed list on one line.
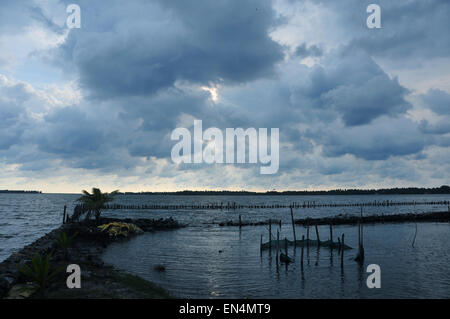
[(234, 205), (341, 243)]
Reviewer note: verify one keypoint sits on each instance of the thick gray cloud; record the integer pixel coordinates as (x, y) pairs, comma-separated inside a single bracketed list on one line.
[(13, 116), (11, 124), (311, 51), (437, 100), (441, 127), (145, 46), (352, 86), (386, 137), (410, 29), (68, 131)]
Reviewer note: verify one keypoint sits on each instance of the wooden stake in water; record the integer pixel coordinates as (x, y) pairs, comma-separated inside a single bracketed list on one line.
[(307, 234), (293, 228), (260, 244), (285, 247), (270, 234), (278, 243), (64, 215), (331, 234), (240, 221), (303, 246), (317, 235), (360, 257), (342, 251)]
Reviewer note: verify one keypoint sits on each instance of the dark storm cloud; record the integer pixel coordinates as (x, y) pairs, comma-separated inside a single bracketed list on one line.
[(68, 131), (81, 138), (441, 127), (381, 140), (347, 105), (147, 46), (12, 120), (352, 86), (13, 115), (311, 51)]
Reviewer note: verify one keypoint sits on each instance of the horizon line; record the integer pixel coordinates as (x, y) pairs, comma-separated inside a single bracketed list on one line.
[(443, 189)]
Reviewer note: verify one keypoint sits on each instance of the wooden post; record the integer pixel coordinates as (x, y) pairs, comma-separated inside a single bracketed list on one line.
[(270, 234), (260, 244), (359, 234), (278, 244), (303, 246), (317, 235), (64, 215), (362, 235), (339, 244), (362, 242), (285, 246), (342, 251), (240, 221), (331, 234), (360, 257), (293, 228), (307, 234)]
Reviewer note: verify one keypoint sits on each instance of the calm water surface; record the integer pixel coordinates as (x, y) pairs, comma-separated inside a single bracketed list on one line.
[(196, 268)]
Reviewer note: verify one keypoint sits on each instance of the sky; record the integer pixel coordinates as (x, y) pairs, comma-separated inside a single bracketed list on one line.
[(95, 106)]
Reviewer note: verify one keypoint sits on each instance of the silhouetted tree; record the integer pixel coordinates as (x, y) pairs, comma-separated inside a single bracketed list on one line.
[(94, 202)]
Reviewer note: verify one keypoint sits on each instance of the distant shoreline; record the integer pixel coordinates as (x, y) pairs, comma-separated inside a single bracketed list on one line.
[(6, 191), (442, 190), (383, 191)]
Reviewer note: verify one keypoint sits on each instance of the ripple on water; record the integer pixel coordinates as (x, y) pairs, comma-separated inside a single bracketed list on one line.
[(195, 268)]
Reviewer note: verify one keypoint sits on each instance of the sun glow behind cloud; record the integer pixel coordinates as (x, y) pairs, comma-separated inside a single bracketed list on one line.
[(212, 91)]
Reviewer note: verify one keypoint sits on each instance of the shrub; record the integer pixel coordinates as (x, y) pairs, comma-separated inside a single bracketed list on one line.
[(39, 272)]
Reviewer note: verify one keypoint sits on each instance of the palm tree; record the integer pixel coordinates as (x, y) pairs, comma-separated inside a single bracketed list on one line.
[(94, 202)]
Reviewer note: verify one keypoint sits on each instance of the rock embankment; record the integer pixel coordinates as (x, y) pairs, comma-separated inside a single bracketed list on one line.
[(87, 246), (342, 219)]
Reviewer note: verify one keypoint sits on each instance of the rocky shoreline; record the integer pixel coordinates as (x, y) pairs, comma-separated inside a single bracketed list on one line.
[(85, 251)]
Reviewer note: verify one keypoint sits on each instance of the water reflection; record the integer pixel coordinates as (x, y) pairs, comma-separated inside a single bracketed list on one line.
[(195, 269)]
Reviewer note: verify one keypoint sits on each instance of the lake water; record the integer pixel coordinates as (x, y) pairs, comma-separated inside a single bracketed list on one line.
[(196, 268)]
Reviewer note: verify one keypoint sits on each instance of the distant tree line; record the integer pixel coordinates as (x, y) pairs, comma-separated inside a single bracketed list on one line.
[(444, 189), (19, 191)]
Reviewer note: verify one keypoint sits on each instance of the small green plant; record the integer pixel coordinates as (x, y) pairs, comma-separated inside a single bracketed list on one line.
[(64, 242), (39, 272)]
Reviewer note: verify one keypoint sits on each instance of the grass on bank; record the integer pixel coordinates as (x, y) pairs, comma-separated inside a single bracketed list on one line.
[(108, 283)]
